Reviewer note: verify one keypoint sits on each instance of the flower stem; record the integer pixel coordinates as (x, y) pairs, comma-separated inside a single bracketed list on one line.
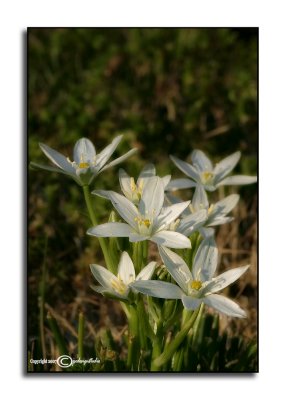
[(137, 256), (132, 358), (157, 347), (110, 263), (173, 346), (80, 335)]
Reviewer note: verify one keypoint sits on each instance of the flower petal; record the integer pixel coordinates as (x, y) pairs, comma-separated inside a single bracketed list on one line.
[(191, 303), (192, 222), (125, 183), (171, 239), (238, 180), (177, 184), (102, 193), (166, 179), (219, 221), (146, 272), (224, 305), (110, 229), (137, 237), (106, 153), (152, 197), (84, 151), (176, 267), (225, 166), (224, 206), (126, 271), (55, 169), (200, 199), (103, 276), (119, 159), (57, 158), (169, 214), (186, 168), (205, 262), (163, 290), (147, 172), (125, 208), (201, 161), (223, 280)]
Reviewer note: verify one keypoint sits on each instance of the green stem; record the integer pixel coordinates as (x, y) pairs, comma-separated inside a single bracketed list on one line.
[(173, 346), (132, 358), (80, 335), (42, 291), (157, 347), (137, 256), (110, 263), (57, 335)]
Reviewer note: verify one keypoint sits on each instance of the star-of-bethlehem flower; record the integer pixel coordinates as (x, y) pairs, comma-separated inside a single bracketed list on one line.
[(201, 214), (203, 172), (133, 190), (87, 164), (149, 221), (198, 286), (119, 286)]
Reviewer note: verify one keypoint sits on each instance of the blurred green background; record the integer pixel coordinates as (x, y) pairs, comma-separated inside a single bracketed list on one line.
[(168, 91)]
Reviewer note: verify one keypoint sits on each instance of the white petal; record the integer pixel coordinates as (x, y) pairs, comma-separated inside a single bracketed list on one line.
[(152, 198), (108, 292), (186, 168), (126, 271), (101, 193), (103, 276), (205, 261), (163, 290), (166, 179), (125, 183), (125, 208), (106, 153), (177, 184), (192, 222), (225, 166), (177, 267), (171, 239), (146, 272), (238, 180), (137, 237), (119, 159), (226, 205), (191, 303), (110, 229), (225, 279), (57, 158), (84, 151), (169, 214), (224, 305), (200, 199), (201, 161), (55, 169), (147, 172), (219, 221), (207, 232)]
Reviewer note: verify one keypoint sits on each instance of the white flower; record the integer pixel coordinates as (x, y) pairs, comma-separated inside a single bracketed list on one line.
[(201, 214), (119, 286), (203, 172), (133, 190), (198, 286), (150, 221), (87, 164)]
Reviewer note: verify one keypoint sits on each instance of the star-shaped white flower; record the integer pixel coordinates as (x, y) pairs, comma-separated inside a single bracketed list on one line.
[(87, 164), (119, 286), (200, 214), (202, 172), (150, 221), (133, 190), (198, 286)]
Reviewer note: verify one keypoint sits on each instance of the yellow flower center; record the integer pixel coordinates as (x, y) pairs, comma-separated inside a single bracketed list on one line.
[(196, 285), (143, 221), (207, 176), (210, 210), (119, 286), (83, 165)]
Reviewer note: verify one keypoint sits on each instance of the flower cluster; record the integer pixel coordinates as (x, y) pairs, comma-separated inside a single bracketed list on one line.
[(147, 211)]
